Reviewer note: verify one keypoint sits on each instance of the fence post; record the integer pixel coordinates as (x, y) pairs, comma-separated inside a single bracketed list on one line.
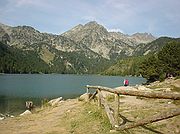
[(99, 97), (87, 90), (116, 111)]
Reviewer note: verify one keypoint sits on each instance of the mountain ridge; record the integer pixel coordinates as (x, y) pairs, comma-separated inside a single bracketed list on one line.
[(82, 49), (89, 37)]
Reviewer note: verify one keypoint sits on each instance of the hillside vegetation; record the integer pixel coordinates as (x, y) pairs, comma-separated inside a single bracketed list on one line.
[(84, 49), (165, 64), (15, 60), (161, 62)]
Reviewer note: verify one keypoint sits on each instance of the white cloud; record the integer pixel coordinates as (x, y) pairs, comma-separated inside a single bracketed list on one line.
[(115, 30)]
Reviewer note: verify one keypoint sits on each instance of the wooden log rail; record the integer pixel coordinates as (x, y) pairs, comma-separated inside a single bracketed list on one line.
[(114, 119), (147, 94), (151, 119)]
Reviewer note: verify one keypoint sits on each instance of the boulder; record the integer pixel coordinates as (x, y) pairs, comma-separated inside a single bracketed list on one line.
[(55, 101), (2, 118), (85, 97), (27, 112)]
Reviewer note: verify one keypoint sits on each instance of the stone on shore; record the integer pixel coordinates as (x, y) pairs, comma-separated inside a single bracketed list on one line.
[(2, 118), (55, 101), (85, 97), (27, 112)]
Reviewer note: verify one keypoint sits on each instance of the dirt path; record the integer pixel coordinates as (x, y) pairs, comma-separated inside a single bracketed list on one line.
[(45, 121)]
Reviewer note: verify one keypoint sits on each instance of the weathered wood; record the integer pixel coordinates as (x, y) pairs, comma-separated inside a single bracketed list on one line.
[(93, 96), (155, 118), (107, 109), (87, 90), (148, 94), (116, 111), (99, 97)]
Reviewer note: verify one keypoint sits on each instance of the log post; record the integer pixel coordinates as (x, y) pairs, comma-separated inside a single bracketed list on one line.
[(107, 109), (99, 97), (87, 90), (116, 111)]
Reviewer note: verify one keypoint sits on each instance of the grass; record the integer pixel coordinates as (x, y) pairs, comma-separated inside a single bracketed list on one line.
[(110, 98), (175, 89), (90, 119)]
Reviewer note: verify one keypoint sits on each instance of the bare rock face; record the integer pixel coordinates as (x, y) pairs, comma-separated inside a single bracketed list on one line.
[(88, 38), (99, 40), (143, 37)]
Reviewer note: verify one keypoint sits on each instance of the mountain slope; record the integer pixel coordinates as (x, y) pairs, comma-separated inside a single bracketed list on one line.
[(88, 48), (130, 66), (110, 45), (154, 46)]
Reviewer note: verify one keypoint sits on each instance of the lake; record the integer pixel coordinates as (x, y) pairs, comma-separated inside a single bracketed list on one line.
[(15, 89)]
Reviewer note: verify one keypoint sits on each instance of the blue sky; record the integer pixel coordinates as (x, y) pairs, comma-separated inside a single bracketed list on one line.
[(159, 17)]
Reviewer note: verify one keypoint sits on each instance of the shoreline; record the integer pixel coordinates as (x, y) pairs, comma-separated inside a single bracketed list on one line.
[(78, 116)]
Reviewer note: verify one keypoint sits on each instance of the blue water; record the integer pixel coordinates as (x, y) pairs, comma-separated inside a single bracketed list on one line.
[(15, 89)]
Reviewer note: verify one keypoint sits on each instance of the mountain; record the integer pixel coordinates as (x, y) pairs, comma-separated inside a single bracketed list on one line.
[(110, 45), (154, 46), (59, 53), (88, 48), (135, 39), (142, 37), (131, 65)]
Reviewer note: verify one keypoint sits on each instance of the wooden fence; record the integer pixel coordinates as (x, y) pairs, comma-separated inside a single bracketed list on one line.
[(114, 118)]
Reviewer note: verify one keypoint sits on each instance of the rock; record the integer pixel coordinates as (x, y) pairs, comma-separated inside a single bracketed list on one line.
[(12, 116), (169, 102), (27, 112), (2, 118), (85, 97), (113, 131), (55, 101)]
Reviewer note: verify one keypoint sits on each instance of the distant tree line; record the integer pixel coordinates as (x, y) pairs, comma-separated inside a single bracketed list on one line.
[(165, 63), (154, 66), (13, 60)]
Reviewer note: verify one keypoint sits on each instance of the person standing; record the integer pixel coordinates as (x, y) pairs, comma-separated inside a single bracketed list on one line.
[(126, 82)]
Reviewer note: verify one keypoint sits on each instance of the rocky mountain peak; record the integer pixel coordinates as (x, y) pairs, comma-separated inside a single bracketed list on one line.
[(93, 25), (143, 37), (27, 29), (79, 32)]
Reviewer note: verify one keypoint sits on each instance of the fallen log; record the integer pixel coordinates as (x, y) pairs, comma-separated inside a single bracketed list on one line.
[(155, 118), (147, 94)]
